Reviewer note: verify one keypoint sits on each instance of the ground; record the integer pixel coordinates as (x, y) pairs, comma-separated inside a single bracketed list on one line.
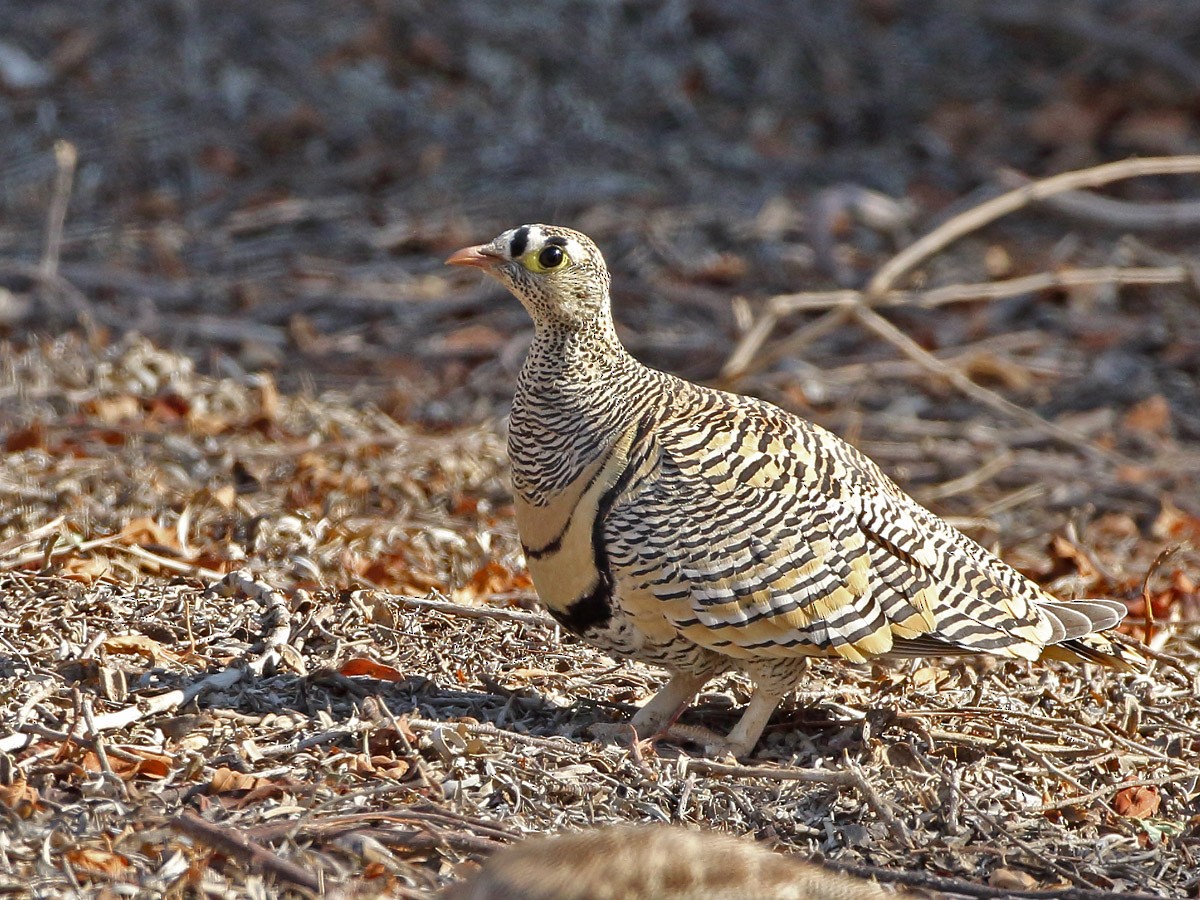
[(264, 624)]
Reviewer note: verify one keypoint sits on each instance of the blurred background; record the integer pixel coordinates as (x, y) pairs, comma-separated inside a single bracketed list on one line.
[(274, 186)]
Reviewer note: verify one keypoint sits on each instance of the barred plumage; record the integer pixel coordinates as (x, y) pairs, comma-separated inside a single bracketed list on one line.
[(702, 530)]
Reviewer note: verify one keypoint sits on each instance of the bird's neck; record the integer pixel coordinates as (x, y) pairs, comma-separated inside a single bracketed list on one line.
[(575, 356), (578, 392)]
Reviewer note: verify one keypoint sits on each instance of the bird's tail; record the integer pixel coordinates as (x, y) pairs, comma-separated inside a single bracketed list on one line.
[(1086, 634)]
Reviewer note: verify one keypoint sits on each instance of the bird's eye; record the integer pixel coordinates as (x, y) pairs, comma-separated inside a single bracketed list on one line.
[(551, 257)]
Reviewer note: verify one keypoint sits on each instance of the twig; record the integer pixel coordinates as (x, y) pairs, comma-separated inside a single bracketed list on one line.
[(106, 769), (1107, 790), (427, 839), (491, 730), (971, 480), (811, 301), (880, 807), (457, 609), (65, 158), (1042, 858), (986, 213), (1159, 560), (953, 886), (161, 703), (850, 777), (255, 857), (64, 549), (173, 565), (1112, 213), (838, 778), (278, 615), (744, 359), (910, 348)]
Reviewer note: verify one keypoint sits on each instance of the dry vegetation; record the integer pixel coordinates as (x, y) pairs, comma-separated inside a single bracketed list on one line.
[(263, 618)]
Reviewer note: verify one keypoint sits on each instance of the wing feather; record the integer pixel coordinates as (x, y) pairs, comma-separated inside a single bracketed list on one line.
[(779, 539)]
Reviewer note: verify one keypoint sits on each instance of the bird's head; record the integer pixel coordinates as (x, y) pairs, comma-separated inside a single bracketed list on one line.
[(557, 274)]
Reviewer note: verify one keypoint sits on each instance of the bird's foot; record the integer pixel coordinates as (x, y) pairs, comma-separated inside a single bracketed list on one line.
[(612, 732), (715, 746)]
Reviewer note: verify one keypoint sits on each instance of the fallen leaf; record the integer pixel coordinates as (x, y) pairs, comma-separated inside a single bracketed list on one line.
[(144, 530), (490, 579), (31, 437), (114, 410), (1065, 551), (20, 797), (154, 766), (360, 665), (225, 780), (1152, 416), (927, 678), (139, 645), (84, 568), (1012, 880), (225, 496), (1140, 802), (94, 861)]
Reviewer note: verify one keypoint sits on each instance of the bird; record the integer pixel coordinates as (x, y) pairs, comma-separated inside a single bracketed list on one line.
[(653, 862), (704, 531)]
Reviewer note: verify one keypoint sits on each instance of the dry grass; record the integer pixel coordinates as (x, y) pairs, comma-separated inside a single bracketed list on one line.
[(355, 733)]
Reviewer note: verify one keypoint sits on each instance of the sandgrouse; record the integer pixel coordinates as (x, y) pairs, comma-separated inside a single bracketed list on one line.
[(654, 862), (701, 531)]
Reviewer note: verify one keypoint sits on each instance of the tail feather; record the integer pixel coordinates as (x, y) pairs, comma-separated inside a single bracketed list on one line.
[(1082, 633), (1104, 649), (1083, 617)]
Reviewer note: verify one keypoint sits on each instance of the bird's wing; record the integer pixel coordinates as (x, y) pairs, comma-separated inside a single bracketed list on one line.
[(760, 535)]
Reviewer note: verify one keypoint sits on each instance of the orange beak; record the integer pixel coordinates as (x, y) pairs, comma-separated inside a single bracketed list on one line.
[(481, 257)]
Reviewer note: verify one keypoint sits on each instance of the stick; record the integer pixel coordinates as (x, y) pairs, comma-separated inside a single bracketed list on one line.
[(986, 213), (255, 857), (161, 703), (910, 348), (849, 777), (743, 360), (458, 609), (809, 301), (956, 886), (1109, 212), (278, 615), (65, 158)]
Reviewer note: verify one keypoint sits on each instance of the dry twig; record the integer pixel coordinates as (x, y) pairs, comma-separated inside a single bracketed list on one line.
[(233, 843)]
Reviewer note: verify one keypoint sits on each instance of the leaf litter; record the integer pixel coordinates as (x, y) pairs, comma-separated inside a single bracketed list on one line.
[(292, 627)]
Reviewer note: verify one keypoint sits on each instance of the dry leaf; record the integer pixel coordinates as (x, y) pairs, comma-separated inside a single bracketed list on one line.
[(84, 568), (1173, 524), (1012, 880), (491, 579), (139, 645), (1139, 802), (20, 797), (95, 861), (927, 678), (360, 665), (151, 765), (144, 530), (1063, 550), (225, 496), (32, 437), (1152, 415), (226, 780), (114, 410)]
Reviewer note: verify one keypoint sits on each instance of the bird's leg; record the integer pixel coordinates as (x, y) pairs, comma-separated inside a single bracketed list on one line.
[(745, 734), (671, 698)]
